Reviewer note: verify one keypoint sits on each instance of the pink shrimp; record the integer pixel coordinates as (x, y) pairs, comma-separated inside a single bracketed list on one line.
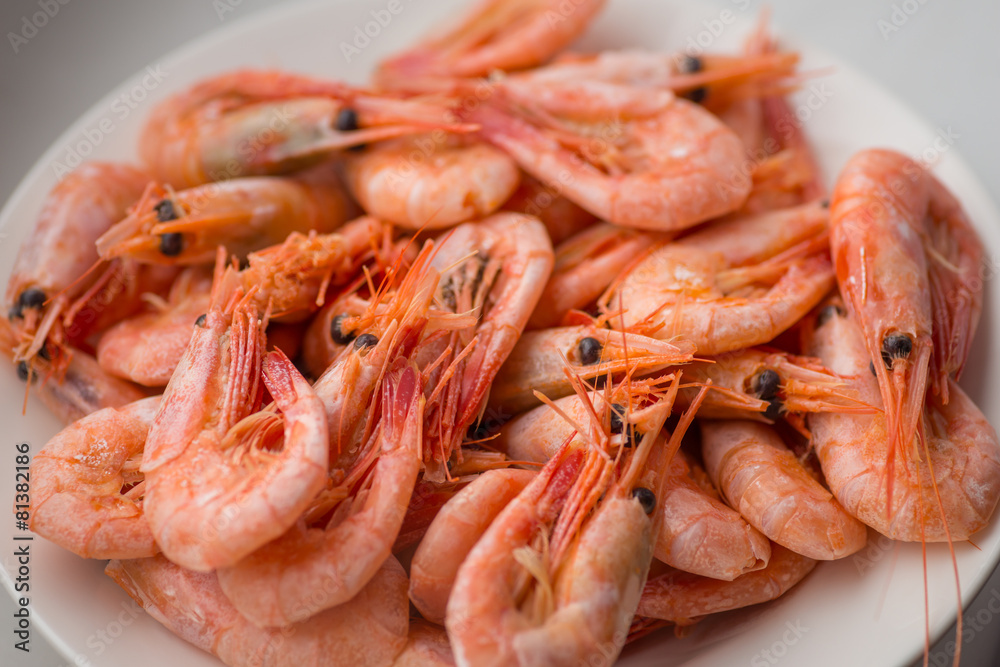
[(87, 494)]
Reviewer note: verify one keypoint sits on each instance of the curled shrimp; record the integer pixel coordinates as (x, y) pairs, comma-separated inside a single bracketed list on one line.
[(369, 630), (246, 214), (539, 360), (731, 285), (495, 35), (431, 181), (682, 597), (542, 585), (761, 478), (453, 533), (88, 491), (52, 294), (259, 122), (222, 478), (943, 486), (307, 570)]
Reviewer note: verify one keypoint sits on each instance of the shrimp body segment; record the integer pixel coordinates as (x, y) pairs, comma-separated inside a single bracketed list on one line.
[(943, 490), (79, 500), (222, 478)]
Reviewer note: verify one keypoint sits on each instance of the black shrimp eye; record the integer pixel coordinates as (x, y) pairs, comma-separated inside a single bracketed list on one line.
[(697, 95), (773, 409), (691, 65), (589, 350), (165, 211), (895, 346), (171, 244), (337, 330), (31, 298), (617, 414), (765, 384), (23, 372), (827, 312), (365, 340), (646, 498), (825, 203), (44, 352), (871, 367), (200, 322), (347, 120)]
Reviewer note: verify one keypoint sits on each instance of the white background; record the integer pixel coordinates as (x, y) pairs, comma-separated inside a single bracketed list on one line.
[(943, 60)]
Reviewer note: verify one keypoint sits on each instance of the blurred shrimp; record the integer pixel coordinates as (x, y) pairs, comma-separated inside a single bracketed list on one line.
[(222, 478), (52, 294), (761, 479), (682, 597), (87, 491), (246, 214), (698, 532), (310, 569), (367, 631), (731, 285), (943, 485), (495, 35), (261, 122), (431, 181), (542, 585), (539, 360), (453, 533)]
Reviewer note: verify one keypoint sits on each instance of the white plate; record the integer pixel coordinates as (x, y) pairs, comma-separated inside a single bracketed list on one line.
[(864, 610)]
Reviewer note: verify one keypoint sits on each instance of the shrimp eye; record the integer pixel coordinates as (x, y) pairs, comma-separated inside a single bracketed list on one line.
[(171, 244), (828, 312), (337, 330), (365, 340), (825, 203), (895, 346), (165, 211), (646, 498), (871, 367), (617, 413), (589, 350), (347, 120), (773, 409), (44, 352), (765, 384), (697, 95), (24, 373), (200, 322), (30, 298), (691, 65)]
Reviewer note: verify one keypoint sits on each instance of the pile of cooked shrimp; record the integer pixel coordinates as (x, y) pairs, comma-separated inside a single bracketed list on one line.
[(559, 348)]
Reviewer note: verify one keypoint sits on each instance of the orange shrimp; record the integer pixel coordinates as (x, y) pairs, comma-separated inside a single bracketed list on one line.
[(367, 631), (258, 122), (427, 646), (246, 214), (945, 482), (223, 479), (495, 35), (87, 495)]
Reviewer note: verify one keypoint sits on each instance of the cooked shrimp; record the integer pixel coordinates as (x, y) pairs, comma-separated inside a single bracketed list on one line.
[(146, 348), (698, 532), (495, 35), (50, 282), (761, 478), (635, 157), (453, 533), (257, 122), (427, 646), (585, 265), (494, 270), (542, 585), (539, 361), (246, 214), (310, 569), (222, 479), (945, 484), (561, 217), (431, 181), (368, 631), (681, 597), (87, 491), (731, 285)]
